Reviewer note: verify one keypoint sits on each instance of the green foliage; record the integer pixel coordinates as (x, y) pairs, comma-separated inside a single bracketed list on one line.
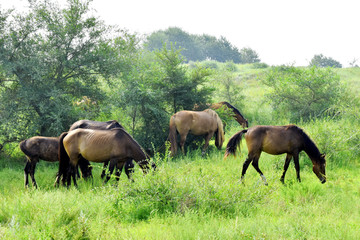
[(248, 55), (302, 93), (322, 61), (51, 59), (195, 47)]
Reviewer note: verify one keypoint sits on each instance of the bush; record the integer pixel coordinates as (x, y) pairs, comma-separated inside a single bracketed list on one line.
[(303, 93)]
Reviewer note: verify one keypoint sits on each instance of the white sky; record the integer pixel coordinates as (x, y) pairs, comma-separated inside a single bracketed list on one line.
[(280, 31)]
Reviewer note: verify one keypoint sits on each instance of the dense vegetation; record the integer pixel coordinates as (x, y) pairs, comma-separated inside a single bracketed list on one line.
[(201, 47), (61, 65)]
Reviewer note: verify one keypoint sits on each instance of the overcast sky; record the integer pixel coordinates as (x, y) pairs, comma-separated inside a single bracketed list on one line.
[(280, 31)]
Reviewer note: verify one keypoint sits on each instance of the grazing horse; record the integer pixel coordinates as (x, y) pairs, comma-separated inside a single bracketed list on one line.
[(277, 140), (237, 115), (115, 145), (89, 124), (205, 123), (45, 148)]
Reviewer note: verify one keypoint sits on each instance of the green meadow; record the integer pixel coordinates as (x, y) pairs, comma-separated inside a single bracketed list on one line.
[(201, 197)]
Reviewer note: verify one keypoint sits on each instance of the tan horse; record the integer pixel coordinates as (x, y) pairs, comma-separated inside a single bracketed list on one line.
[(115, 145), (90, 124), (47, 149), (277, 140), (205, 123), (236, 113)]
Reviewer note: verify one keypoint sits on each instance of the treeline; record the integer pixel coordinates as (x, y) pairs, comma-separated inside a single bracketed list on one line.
[(61, 65), (200, 47)]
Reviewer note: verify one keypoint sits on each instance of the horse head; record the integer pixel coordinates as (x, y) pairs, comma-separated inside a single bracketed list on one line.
[(319, 168)]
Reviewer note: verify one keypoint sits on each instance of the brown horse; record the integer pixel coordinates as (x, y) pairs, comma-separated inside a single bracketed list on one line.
[(205, 123), (90, 124), (45, 148), (114, 145), (237, 115), (277, 140)]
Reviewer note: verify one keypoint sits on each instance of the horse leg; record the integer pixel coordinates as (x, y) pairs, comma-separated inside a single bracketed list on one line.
[(207, 139), (119, 168), (103, 173), (73, 169), (255, 164), (129, 169), (27, 172), (286, 165), (297, 166), (182, 142), (32, 171), (113, 162), (245, 167)]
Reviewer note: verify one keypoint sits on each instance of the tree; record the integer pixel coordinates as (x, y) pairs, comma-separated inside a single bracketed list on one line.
[(194, 47), (50, 59), (249, 56), (322, 61), (180, 90), (302, 92)]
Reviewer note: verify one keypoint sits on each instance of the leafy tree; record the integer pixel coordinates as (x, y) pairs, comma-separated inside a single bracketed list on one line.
[(227, 83), (302, 92), (194, 47), (180, 90), (179, 38), (249, 56), (158, 86), (50, 59), (322, 61)]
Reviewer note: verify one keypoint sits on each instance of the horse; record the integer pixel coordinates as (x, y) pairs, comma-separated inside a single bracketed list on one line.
[(90, 124), (276, 140), (237, 115), (45, 148), (205, 123), (114, 145)]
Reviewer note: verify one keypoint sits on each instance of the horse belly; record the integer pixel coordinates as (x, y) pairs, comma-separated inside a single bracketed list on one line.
[(273, 147)]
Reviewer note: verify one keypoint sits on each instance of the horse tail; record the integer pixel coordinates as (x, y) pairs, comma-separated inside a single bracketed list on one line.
[(220, 135), (64, 159), (172, 136), (233, 143)]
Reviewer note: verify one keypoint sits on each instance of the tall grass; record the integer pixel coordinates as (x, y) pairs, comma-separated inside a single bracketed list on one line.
[(187, 198), (195, 197)]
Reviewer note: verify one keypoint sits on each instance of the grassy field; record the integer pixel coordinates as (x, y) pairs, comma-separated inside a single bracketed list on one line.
[(187, 198), (194, 197)]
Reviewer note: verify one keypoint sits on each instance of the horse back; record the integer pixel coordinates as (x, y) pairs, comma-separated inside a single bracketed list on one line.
[(274, 139), (196, 122), (45, 148), (90, 124), (97, 145)]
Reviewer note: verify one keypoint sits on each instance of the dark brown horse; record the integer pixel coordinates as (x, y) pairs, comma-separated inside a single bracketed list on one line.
[(90, 124), (114, 145), (277, 140), (45, 148), (236, 113), (205, 123)]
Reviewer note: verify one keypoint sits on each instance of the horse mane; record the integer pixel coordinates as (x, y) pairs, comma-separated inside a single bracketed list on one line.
[(235, 110), (309, 146)]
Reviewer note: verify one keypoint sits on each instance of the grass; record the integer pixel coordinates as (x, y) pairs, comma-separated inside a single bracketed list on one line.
[(187, 198), (194, 197)]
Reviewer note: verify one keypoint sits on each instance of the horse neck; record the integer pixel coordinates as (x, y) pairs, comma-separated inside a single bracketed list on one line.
[(310, 148)]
